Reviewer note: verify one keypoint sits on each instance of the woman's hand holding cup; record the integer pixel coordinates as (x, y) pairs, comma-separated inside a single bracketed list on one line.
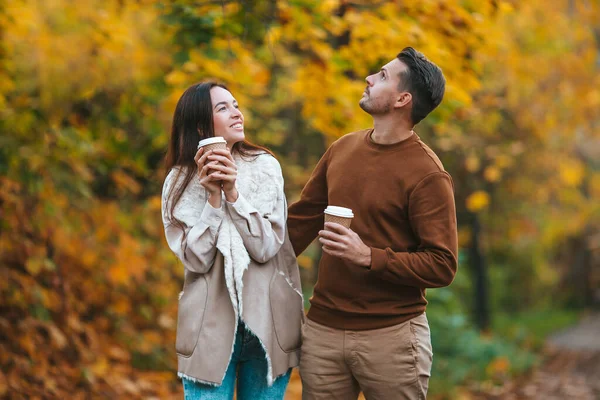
[(207, 180)]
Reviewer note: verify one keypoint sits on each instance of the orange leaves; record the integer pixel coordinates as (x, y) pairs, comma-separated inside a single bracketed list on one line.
[(499, 368), (57, 271), (305, 262), (117, 353), (100, 368), (122, 306), (57, 336), (77, 85), (26, 343), (40, 360), (125, 183), (129, 261), (149, 341)]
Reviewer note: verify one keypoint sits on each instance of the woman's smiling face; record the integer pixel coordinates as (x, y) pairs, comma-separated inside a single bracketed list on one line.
[(228, 120)]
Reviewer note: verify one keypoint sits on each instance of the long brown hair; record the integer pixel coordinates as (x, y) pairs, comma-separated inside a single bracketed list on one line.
[(192, 122)]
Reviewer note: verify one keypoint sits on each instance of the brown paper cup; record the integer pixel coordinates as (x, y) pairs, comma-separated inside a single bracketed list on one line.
[(213, 146), (338, 220)]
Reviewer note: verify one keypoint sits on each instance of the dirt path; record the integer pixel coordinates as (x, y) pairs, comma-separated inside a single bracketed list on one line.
[(584, 336), (570, 371)]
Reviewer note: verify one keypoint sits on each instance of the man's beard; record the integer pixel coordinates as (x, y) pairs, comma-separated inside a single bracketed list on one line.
[(369, 107)]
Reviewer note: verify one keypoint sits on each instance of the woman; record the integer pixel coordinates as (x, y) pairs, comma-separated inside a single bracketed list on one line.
[(224, 213)]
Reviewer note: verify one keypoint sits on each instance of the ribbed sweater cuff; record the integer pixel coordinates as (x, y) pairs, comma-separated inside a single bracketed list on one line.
[(379, 260)]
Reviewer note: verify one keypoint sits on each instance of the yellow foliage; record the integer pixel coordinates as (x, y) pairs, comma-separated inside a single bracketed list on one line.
[(571, 172), (464, 237), (35, 265), (472, 163), (546, 273), (86, 42), (478, 200), (100, 367), (504, 161), (492, 174), (178, 77), (305, 262)]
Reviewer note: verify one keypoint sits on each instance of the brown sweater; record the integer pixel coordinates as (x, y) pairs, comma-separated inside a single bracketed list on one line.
[(403, 203)]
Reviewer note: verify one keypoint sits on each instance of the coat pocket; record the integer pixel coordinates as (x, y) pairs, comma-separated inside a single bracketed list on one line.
[(287, 310), (190, 313)]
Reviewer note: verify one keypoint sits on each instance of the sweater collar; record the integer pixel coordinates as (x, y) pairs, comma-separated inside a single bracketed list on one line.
[(387, 147)]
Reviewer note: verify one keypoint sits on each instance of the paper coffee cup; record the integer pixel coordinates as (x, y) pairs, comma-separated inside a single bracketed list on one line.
[(212, 143), (339, 215)]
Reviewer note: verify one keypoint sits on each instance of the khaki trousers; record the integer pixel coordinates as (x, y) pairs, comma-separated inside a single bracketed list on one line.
[(385, 364)]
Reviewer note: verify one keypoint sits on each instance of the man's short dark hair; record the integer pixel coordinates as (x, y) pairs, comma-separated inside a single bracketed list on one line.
[(423, 80)]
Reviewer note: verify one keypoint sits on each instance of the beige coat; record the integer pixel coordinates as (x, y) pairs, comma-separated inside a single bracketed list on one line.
[(238, 262)]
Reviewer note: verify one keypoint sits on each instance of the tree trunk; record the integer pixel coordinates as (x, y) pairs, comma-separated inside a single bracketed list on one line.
[(480, 280)]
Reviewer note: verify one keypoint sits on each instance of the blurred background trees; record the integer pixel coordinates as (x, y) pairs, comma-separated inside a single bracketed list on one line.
[(87, 91)]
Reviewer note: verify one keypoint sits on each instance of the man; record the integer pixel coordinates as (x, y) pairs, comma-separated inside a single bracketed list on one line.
[(366, 329)]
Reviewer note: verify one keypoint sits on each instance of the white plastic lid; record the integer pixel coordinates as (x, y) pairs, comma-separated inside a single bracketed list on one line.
[(339, 211), (211, 140)]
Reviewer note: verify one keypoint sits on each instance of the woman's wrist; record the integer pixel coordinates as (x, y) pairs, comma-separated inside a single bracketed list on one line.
[(214, 200), (232, 195)]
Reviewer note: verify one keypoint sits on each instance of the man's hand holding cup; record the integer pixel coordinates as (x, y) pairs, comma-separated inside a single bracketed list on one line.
[(339, 240)]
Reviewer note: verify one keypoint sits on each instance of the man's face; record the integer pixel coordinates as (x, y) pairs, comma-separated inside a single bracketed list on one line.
[(382, 92)]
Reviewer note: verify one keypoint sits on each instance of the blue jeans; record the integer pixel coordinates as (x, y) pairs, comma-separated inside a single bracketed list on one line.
[(249, 364)]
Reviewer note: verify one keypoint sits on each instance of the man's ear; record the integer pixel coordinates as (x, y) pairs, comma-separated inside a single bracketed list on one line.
[(403, 99)]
